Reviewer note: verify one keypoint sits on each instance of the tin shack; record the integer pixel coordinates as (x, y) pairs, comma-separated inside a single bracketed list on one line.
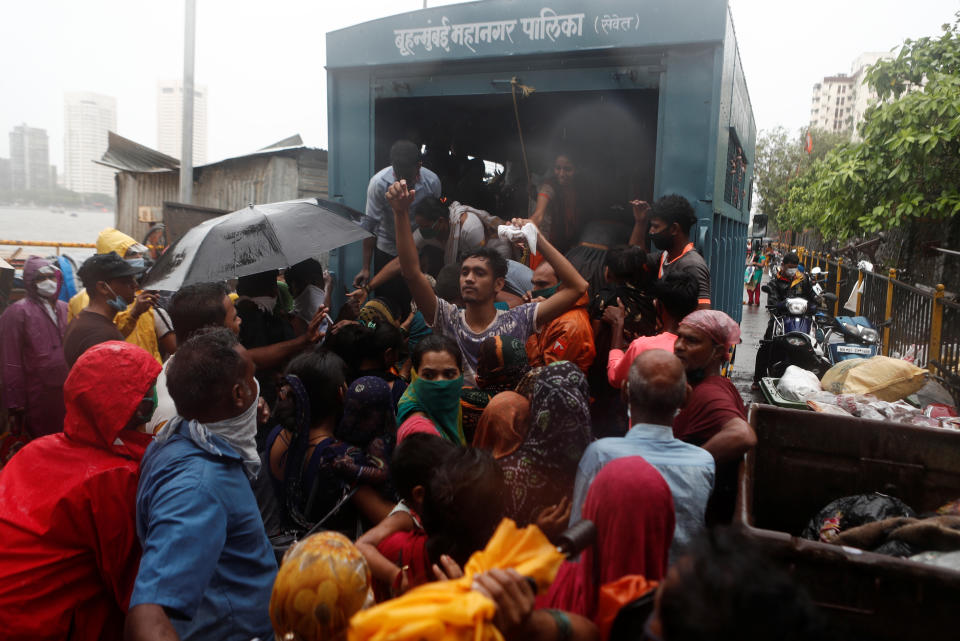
[(649, 95)]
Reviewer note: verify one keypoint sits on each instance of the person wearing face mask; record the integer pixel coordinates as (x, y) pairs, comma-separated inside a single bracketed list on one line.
[(431, 404), (207, 568), (32, 365), (790, 282), (109, 282), (70, 553), (667, 225), (569, 337), (142, 322), (714, 416)]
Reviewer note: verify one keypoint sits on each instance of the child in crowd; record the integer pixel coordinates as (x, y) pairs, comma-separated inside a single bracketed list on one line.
[(413, 465)]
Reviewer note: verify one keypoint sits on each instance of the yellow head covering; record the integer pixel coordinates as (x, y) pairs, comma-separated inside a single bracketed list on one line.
[(114, 240), (322, 582)]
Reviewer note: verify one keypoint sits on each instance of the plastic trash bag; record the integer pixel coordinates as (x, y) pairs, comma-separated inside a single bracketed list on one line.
[(889, 379), (797, 384), (853, 511)]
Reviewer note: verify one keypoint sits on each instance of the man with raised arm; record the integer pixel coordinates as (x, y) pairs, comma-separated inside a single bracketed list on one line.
[(482, 276), (377, 219)]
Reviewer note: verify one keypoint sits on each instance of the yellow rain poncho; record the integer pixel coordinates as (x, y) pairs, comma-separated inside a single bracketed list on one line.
[(451, 610), (140, 331)]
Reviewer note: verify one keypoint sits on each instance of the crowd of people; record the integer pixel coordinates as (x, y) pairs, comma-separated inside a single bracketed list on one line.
[(482, 368)]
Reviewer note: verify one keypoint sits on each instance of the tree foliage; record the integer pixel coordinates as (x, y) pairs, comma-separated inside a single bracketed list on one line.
[(781, 158), (908, 163)]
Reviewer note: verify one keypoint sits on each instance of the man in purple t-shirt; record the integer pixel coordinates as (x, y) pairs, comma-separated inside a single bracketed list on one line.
[(482, 277)]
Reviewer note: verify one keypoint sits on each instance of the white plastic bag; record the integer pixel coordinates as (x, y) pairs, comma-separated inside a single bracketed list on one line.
[(797, 384)]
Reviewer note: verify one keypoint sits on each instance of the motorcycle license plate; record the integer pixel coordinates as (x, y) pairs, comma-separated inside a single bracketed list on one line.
[(848, 349)]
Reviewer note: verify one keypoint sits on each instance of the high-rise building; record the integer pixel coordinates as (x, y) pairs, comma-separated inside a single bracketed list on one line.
[(839, 102), (5, 174), (170, 120), (87, 119), (29, 159)]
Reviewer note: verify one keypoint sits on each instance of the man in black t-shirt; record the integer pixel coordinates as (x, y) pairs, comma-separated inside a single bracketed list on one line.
[(670, 220), (111, 284)]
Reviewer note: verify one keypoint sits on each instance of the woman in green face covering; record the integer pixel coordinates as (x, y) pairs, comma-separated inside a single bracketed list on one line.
[(431, 403)]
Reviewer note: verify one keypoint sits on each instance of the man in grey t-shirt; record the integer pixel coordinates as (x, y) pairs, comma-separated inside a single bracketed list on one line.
[(482, 277)]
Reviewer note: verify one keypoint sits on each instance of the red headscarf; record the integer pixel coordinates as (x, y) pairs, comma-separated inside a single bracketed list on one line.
[(632, 507)]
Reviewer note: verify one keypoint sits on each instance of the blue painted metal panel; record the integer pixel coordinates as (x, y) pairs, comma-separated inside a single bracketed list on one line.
[(350, 118), (518, 28)]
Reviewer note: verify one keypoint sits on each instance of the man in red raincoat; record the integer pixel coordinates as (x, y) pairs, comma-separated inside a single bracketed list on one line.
[(68, 542)]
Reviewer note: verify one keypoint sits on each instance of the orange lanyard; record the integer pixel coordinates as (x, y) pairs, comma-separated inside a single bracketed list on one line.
[(663, 258)]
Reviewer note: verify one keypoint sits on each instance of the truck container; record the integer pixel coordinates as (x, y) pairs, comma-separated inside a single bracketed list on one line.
[(805, 460), (649, 95)]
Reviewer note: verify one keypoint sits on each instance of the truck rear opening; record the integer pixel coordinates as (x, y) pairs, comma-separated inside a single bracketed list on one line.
[(612, 136)]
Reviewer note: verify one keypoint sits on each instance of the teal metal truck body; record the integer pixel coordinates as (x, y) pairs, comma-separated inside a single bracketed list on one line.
[(652, 92)]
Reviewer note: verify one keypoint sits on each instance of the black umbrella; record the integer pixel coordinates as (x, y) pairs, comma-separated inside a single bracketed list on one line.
[(255, 239)]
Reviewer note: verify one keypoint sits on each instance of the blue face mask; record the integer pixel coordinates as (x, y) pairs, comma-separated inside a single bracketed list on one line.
[(139, 263), (117, 303)]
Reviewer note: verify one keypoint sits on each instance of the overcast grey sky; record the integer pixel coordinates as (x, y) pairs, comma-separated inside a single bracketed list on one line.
[(263, 60)]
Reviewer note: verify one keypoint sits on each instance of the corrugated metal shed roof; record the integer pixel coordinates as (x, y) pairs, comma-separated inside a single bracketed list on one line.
[(290, 141), (126, 155)]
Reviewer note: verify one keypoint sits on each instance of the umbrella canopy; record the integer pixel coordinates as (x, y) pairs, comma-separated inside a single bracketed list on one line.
[(255, 239)]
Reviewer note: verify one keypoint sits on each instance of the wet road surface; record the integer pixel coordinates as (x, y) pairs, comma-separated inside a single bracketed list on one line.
[(752, 326)]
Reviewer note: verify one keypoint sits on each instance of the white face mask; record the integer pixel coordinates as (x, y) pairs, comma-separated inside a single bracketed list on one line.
[(790, 272), (241, 433), (47, 288)]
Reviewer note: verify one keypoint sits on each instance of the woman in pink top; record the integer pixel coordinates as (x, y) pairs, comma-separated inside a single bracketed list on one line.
[(677, 296)]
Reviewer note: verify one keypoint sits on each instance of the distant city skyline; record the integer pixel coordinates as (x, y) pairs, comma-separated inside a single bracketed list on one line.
[(29, 159), (265, 83)]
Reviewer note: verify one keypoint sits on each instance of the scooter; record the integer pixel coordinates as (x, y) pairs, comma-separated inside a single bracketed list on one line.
[(797, 338), (848, 337), (843, 337)]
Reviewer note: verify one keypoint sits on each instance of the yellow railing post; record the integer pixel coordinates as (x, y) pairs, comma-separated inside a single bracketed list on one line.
[(936, 328), (859, 291), (888, 312), (836, 303)]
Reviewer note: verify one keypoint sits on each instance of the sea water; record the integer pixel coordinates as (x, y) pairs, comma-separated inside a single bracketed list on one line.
[(52, 225)]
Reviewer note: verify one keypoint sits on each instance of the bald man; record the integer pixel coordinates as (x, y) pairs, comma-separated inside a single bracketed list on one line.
[(655, 390)]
